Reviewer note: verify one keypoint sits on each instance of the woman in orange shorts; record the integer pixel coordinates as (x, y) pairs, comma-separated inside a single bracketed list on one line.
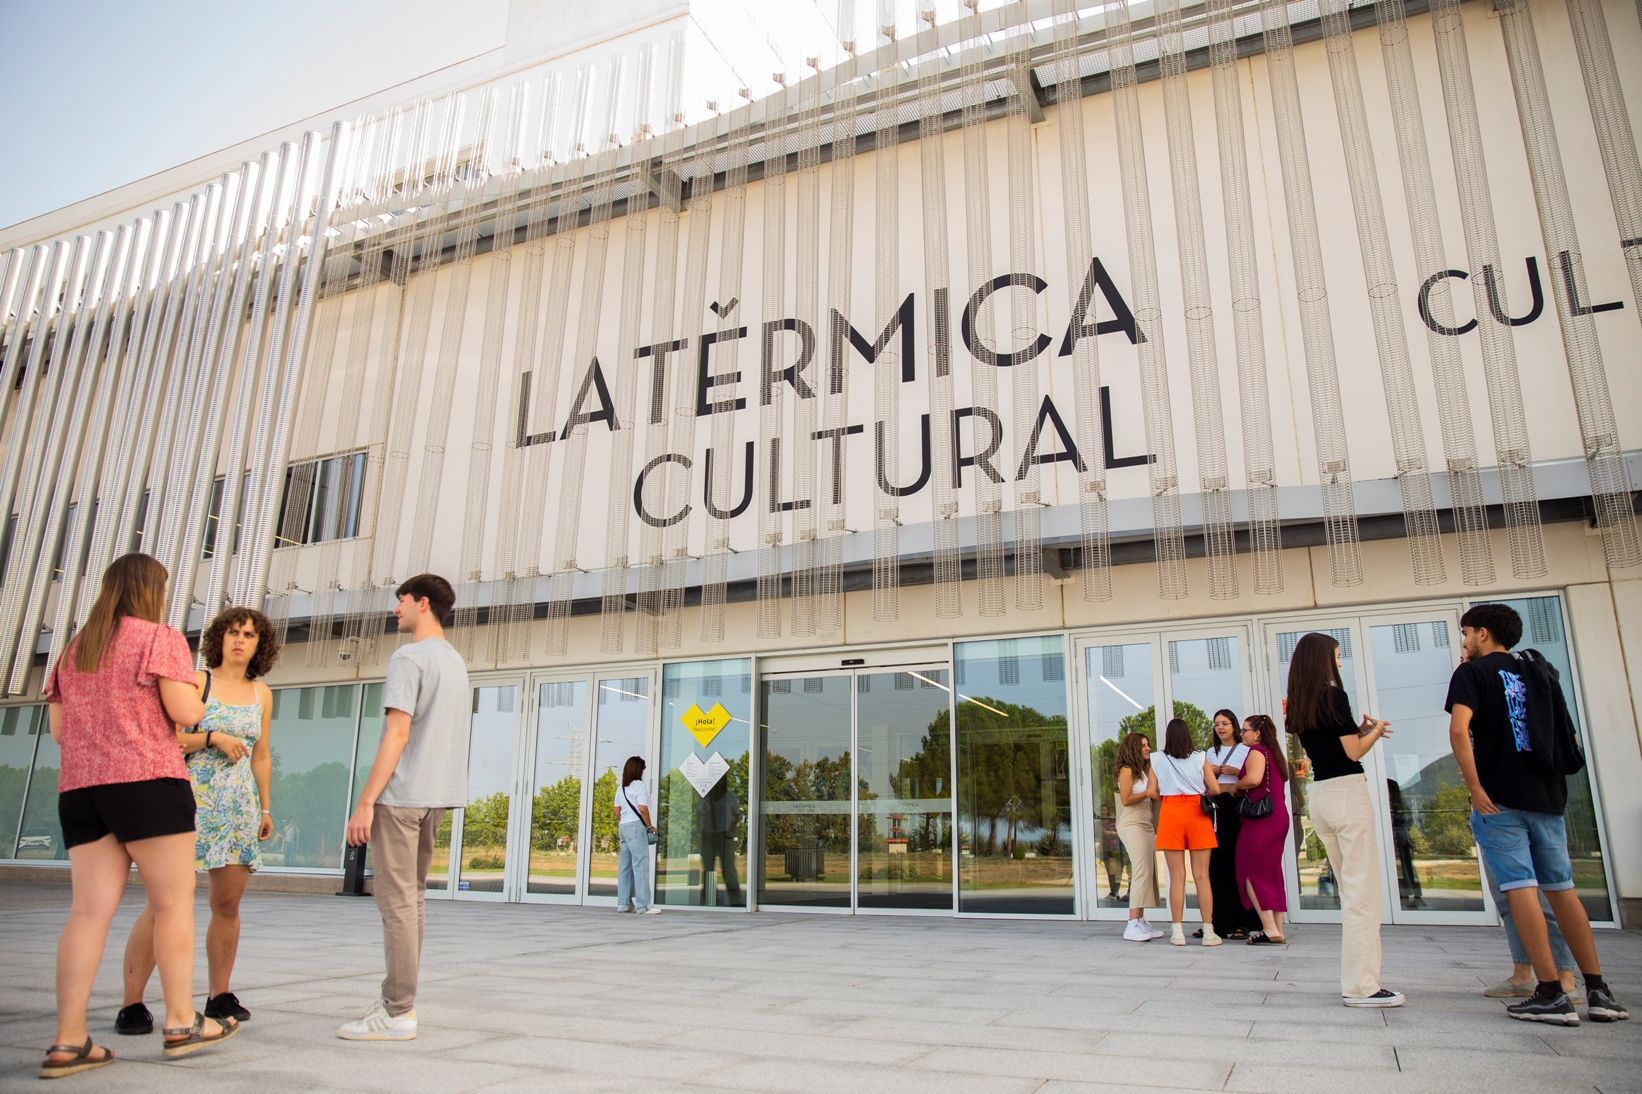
[(1183, 777)]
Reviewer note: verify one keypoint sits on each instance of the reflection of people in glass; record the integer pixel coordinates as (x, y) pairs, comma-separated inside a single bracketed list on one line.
[(1412, 897), (1113, 857), (716, 816)]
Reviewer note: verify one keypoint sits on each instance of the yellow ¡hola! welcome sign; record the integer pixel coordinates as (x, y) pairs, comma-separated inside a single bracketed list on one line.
[(705, 725)]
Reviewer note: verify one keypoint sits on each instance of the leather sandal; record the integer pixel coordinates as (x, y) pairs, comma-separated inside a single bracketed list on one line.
[(193, 1038), (80, 1060)]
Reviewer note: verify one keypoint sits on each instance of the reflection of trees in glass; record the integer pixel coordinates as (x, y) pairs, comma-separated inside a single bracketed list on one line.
[(1145, 722), (676, 813), (1014, 785), (13, 781), (824, 779), (310, 813)]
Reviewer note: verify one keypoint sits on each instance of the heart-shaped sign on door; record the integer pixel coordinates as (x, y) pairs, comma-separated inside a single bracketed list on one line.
[(703, 774)]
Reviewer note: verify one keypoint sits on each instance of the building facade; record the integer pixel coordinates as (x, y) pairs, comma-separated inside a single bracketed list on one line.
[(872, 448)]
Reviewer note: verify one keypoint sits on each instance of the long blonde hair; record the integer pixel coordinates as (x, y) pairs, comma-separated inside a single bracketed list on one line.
[(133, 584)]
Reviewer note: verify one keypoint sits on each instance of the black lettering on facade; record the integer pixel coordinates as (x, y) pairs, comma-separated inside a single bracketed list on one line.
[(794, 373), (706, 381), (987, 354), (880, 442), (1082, 312), (638, 491), (1069, 449)]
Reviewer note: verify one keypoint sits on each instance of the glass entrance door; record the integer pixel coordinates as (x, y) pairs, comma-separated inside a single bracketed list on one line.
[(478, 832), (1394, 667), (856, 807), (581, 734), (1135, 684)]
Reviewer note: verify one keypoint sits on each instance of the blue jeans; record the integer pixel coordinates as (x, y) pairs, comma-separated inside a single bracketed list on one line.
[(633, 868), (1524, 849), (1519, 952)]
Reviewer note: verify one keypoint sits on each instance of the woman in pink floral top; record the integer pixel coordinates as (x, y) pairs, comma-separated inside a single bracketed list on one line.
[(114, 699)]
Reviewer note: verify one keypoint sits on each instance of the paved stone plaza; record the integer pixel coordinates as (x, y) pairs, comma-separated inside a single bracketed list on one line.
[(546, 998)]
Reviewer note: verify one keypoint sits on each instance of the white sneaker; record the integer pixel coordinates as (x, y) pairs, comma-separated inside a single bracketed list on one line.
[(1136, 931), (1151, 930), (651, 910), (1177, 935), (378, 1025), (1210, 938)]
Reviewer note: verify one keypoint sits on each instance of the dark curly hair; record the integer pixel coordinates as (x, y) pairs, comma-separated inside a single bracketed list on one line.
[(262, 661)]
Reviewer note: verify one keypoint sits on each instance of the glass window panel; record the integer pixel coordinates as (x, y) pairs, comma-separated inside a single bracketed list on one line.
[(1542, 630), (904, 793), (622, 720), (19, 730), (481, 865), (806, 794), (1434, 852), (556, 796), (312, 742), (1205, 675), (703, 850), (1117, 707), (40, 836), (1014, 782)]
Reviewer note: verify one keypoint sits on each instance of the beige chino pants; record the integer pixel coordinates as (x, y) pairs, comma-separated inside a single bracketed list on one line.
[(1344, 819), (402, 846)]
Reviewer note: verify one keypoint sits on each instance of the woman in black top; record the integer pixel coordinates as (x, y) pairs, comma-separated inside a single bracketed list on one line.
[(1318, 709), (1226, 756)]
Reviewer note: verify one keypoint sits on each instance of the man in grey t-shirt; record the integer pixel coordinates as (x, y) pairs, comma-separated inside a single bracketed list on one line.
[(421, 770)]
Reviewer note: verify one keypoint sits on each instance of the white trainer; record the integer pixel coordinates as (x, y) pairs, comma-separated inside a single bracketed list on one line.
[(378, 1025), (1210, 938), (1177, 934), (651, 910), (1151, 930), (1136, 931)]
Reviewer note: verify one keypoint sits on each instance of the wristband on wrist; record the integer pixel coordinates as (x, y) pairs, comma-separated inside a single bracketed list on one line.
[(267, 812), (208, 737)]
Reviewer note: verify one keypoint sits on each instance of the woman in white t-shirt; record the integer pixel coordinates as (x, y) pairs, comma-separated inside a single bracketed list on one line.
[(634, 825), (1184, 779)]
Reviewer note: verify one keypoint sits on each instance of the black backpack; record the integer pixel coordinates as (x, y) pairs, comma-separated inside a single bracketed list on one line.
[(1555, 744)]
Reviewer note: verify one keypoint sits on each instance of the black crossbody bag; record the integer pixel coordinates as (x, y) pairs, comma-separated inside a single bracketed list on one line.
[(1263, 807)]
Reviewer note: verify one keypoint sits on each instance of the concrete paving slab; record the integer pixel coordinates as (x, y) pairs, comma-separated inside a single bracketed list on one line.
[(572, 999)]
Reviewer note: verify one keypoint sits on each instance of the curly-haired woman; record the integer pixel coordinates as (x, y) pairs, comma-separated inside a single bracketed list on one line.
[(230, 764), (1135, 799)]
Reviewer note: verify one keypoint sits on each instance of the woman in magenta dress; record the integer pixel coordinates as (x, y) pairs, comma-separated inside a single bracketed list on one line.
[(1261, 840)]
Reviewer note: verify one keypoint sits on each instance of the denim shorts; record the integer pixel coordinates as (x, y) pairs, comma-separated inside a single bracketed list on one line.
[(1524, 849)]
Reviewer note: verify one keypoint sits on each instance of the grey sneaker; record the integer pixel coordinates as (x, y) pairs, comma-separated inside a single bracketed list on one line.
[(1555, 1010), (1604, 1007)]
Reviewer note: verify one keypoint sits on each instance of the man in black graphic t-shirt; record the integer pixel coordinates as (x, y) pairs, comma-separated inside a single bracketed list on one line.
[(1517, 802)]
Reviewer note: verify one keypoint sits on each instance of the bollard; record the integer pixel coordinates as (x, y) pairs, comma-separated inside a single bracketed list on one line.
[(353, 871)]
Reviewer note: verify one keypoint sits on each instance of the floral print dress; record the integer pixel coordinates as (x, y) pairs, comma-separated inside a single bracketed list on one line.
[(228, 808)]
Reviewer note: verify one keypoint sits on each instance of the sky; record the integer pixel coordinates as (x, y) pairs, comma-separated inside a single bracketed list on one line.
[(95, 94)]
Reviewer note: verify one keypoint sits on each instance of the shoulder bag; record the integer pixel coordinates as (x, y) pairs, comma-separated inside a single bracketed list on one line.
[(1204, 801), (1262, 808), (650, 835)]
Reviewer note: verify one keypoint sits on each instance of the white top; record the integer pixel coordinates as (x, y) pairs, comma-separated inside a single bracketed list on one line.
[(1138, 785), (636, 795), (1178, 776), (1235, 755)]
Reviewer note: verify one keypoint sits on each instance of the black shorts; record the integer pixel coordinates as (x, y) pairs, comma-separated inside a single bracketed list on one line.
[(131, 811)]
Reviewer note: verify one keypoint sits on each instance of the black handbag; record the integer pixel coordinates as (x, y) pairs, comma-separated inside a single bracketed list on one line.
[(1255, 810)]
